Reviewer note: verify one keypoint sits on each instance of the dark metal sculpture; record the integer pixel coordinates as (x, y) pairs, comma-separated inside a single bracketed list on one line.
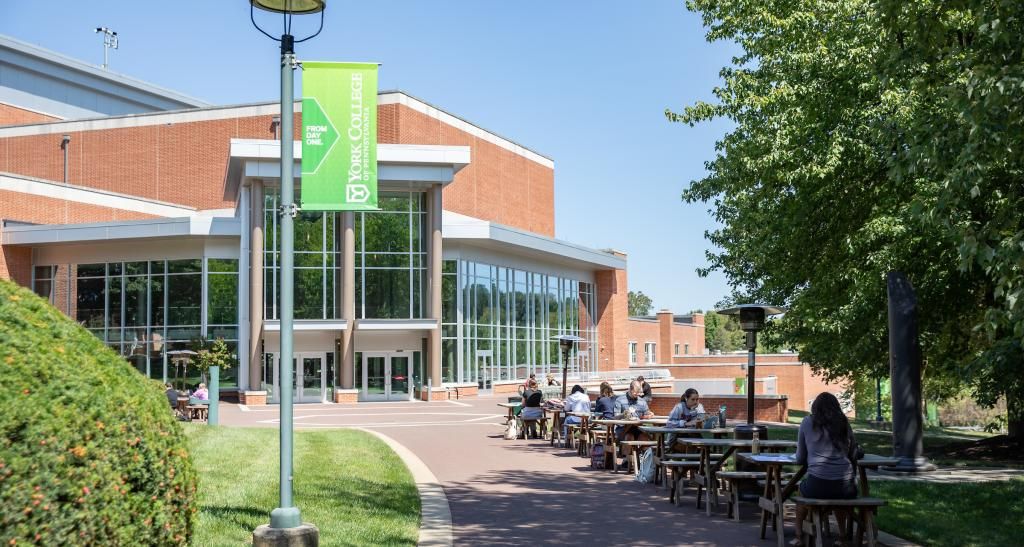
[(905, 370)]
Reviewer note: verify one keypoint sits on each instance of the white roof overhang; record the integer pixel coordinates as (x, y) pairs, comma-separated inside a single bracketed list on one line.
[(193, 226), (399, 166), (482, 233)]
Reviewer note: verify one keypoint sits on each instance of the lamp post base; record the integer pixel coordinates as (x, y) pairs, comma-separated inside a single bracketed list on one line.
[(304, 535)]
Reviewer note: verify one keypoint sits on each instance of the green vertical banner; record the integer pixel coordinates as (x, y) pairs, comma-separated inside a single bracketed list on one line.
[(339, 136)]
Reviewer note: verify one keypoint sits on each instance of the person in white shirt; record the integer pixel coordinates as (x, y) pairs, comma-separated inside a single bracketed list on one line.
[(578, 401)]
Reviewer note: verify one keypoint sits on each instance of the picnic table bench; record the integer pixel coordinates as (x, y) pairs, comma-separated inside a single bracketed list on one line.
[(775, 494)]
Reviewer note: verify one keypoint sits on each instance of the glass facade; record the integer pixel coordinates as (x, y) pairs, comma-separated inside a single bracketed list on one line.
[(390, 260), (499, 323), (144, 309)]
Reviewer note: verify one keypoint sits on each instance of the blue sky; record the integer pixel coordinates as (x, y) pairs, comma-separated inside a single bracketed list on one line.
[(583, 82)]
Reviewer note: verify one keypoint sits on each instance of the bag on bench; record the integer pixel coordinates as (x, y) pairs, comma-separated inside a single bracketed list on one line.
[(597, 459)]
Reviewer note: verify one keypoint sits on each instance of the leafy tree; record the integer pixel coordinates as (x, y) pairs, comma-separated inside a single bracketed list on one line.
[(639, 304), (722, 333), (211, 354), (872, 137)]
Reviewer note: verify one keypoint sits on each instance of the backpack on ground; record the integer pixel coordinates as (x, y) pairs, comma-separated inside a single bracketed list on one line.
[(512, 430), (645, 471), (597, 456)]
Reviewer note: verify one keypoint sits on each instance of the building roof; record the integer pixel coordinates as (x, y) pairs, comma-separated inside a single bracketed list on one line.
[(44, 81)]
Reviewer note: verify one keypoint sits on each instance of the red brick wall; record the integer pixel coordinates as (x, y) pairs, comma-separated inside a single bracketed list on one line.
[(666, 334), (612, 317), (794, 379), (181, 163), (766, 409), (12, 115), (498, 185), (16, 262), (185, 163)]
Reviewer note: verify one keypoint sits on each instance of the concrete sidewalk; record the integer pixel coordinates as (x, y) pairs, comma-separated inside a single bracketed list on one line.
[(524, 492)]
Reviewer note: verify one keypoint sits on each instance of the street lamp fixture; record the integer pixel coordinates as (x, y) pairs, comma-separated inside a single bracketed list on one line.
[(566, 342), (752, 320), (286, 516)]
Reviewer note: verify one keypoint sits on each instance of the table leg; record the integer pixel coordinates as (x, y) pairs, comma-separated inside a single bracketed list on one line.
[(779, 523), (865, 490), (767, 496)]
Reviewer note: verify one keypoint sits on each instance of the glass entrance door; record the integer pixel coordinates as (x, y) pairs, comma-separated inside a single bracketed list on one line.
[(387, 376), (309, 377), (486, 374)]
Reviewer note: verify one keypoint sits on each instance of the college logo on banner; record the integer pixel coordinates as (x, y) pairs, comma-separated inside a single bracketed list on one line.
[(339, 136)]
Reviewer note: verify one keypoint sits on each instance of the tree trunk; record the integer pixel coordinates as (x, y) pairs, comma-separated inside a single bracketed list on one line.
[(1015, 414)]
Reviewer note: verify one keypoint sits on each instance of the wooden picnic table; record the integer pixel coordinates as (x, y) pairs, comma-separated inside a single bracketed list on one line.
[(659, 432), (611, 423), (775, 495), (556, 422), (705, 477)]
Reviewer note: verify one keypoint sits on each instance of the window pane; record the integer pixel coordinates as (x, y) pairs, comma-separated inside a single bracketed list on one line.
[(309, 293), (387, 294), (184, 302), (222, 308), (113, 309), (136, 310), (156, 291), (91, 297), (185, 266), (135, 268), (92, 270), (222, 265)]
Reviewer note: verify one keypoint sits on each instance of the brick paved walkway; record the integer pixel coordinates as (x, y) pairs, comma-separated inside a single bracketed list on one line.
[(522, 492)]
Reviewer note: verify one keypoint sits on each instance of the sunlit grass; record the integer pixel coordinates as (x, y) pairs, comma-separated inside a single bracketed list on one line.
[(960, 514), (348, 483)]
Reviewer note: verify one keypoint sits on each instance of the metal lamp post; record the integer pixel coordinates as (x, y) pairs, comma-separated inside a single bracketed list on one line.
[(752, 319), (286, 516), (566, 342)]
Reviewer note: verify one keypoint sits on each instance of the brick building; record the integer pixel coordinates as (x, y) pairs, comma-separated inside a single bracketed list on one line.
[(150, 218)]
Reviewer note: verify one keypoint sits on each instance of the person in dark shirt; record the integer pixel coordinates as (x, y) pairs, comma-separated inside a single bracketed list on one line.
[(646, 388), (532, 399), (605, 405)]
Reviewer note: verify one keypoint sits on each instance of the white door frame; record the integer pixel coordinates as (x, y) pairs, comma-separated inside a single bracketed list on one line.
[(297, 390), (387, 356)]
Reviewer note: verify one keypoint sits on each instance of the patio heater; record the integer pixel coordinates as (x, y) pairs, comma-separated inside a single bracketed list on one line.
[(566, 342), (286, 525), (752, 319)]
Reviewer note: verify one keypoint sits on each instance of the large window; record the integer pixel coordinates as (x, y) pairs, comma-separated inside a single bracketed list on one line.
[(390, 260), (500, 323), (649, 352), (144, 309)]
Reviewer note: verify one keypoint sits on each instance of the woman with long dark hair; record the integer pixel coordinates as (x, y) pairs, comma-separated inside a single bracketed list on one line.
[(825, 444)]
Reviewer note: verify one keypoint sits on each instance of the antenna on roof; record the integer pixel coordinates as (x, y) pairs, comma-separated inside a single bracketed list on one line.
[(109, 42)]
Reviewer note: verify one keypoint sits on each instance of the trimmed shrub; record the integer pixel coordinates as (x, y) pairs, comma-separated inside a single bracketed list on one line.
[(90, 453)]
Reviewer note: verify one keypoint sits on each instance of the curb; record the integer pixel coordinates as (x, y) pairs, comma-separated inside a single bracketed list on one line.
[(890, 540), (435, 514)]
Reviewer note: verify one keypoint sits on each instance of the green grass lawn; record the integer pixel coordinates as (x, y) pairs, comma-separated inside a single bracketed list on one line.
[(964, 514), (348, 483)]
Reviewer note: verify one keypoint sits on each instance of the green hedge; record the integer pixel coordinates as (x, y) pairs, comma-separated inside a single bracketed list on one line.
[(90, 453)]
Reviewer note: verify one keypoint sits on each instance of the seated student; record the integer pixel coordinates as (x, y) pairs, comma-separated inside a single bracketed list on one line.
[(532, 400), (825, 444), (605, 405), (646, 389), (552, 381), (631, 403), (172, 395), (684, 414), (579, 402), (201, 393)]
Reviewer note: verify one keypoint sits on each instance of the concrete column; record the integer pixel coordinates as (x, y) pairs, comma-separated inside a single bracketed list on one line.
[(348, 298), (256, 285), (434, 272)]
